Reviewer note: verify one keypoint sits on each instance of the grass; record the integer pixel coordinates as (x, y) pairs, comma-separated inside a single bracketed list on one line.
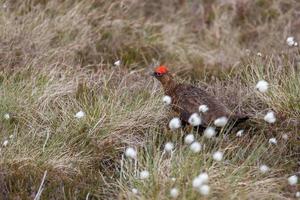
[(56, 59)]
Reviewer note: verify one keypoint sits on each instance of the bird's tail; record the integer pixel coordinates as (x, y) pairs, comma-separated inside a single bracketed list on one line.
[(240, 118)]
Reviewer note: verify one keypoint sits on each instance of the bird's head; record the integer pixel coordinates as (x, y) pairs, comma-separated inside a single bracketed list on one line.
[(162, 74)]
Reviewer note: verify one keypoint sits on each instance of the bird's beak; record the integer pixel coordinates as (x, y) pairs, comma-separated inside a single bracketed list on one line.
[(152, 74)]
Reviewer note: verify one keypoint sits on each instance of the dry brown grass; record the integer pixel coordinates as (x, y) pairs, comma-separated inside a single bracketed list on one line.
[(56, 58)]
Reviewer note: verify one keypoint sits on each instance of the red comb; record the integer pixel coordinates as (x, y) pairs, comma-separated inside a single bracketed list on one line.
[(161, 69)]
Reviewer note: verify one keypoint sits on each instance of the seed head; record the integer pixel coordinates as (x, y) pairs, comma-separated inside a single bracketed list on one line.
[(144, 174), (204, 190), (195, 119), (6, 116), (264, 169), (221, 121), (218, 156), (169, 146), (189, 139), (167, 100), (5, 143), (80, 114), (175, 123), (273, 141), (262, 86), (117, 63), (131, 153), (293, 180), (240, 133), (196, 147), (210, 132), (174, 192), (290, 41), (134, 191), (203, 108), (270, 117)]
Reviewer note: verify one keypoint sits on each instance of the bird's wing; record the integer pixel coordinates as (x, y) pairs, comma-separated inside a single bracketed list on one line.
[(189, 98)]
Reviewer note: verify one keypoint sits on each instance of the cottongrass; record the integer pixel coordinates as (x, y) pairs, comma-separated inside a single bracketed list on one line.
[(189, 139), (293, 180), (131, 153), (195, 119), (218, 156), (169, 146), (262, 86), (175, 123), (203, 108), (273, 141), (291, 42), (240, 133), (285, 136), (221, 121), (196, 147), (144, 174), (117, 63), (204, 190), (5, 143), (6, 116), (134, 191), (80, 114), (209, 132), (270, 117), (264, 169), (174, 193), (167, 100)]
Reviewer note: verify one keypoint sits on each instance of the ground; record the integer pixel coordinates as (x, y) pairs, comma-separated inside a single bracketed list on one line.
[(57, 58)]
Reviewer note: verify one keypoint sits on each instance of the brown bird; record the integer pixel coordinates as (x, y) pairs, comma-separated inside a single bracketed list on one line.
[(186, 100)]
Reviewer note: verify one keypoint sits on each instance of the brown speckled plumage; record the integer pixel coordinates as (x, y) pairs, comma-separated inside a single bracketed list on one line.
[(186, 100)]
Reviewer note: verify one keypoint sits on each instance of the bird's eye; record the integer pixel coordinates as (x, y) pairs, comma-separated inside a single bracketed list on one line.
[(158, 74)]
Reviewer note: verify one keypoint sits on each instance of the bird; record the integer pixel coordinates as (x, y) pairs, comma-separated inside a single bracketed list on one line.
[(187, 98)]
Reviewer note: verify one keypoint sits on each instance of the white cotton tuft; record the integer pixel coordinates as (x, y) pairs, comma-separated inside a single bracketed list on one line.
[(203, 108), (195, 147), (174, 192), (209, 132), (218, 156), (134, 191), (262, 86), (173, 179), (80, 114), (203, 177), (285, 136), (131, 153), (273, 141), (259, 54), (144, 174), (175, 123), (221, 121), (264, 169), (270, 117), (169, 146), (197, 182), (290, 41), (293, 180), (117, 63), (6, 116), (167, 100), (204, 190), (195, 119), (5, 143), (189, 139), (240, 133)]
